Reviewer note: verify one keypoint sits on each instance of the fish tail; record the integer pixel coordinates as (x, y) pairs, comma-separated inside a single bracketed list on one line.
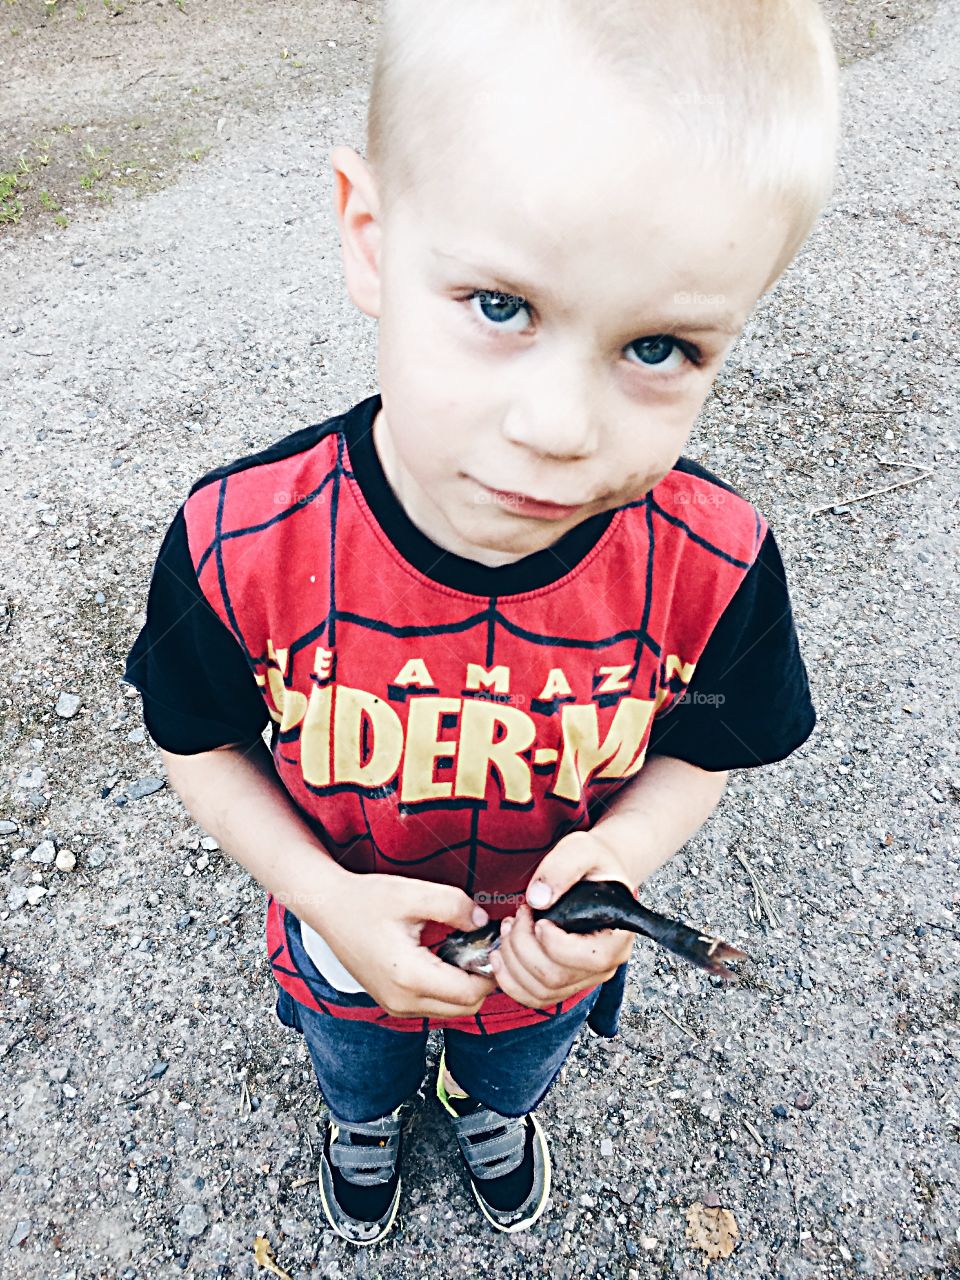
[(700, 949)]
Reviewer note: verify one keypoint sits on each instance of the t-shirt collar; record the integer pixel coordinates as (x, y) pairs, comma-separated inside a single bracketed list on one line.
[(539, 569)]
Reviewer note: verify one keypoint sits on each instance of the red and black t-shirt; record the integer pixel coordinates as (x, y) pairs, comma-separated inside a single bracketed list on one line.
[(442, 719)]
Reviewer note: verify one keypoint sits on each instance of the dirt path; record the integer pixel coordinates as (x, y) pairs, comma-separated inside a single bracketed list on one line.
[(201, 316), (98, 100)]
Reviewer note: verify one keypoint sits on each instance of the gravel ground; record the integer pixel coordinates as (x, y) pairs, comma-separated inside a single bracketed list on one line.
[(817, 1101)]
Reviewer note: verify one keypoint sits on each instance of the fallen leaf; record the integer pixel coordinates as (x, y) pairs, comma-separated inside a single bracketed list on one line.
[(712, 1230), (263, 1255)]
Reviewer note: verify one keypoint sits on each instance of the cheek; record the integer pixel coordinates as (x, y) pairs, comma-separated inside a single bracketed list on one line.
[(649, 443)]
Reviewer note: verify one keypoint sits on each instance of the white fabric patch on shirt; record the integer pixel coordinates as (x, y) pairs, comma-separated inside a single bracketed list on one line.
[(328, 964)]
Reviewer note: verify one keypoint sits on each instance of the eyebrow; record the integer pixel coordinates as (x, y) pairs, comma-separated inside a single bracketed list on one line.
[(718, 322)]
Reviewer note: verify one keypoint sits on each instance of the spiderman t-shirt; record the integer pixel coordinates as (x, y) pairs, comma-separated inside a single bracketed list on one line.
[(438, 718)]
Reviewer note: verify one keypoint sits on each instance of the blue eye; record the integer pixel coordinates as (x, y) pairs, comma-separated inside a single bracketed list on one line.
[(655, 352), (500, 309)]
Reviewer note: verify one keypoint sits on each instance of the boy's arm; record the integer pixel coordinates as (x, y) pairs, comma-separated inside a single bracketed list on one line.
[(235, 794), (371, 922), (654, 816), (199, 693)]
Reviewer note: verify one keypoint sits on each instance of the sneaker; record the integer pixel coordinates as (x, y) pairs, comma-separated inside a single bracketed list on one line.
[(506, 1157), (360, 1175)]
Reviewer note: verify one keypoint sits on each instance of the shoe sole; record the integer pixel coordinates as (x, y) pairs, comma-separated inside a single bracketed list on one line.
[(348, 1228)]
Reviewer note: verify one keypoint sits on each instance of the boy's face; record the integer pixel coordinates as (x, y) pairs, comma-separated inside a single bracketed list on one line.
[(523, 283)]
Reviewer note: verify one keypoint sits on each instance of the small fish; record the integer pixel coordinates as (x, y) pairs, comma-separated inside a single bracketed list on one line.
[(587, 907)]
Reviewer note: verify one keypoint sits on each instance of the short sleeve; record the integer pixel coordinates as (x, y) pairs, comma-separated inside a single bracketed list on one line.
[(198, 691), (748, 702)]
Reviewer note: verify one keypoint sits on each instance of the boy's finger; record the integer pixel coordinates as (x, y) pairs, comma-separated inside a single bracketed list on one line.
[(434, 977), (447, 905), (511, 980), (546, 950), (579, 951), (527, 962)]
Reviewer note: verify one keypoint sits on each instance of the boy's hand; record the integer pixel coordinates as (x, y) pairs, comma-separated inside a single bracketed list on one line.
[(374, 929), (542, 965)]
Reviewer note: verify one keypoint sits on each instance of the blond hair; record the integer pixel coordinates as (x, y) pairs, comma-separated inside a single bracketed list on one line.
[(749, 85)]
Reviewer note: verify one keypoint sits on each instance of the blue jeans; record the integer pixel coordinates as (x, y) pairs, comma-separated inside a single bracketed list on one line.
[(366, 1071)]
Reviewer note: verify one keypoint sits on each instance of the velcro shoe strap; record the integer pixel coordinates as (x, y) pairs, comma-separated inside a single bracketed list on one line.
[(362, 1162), (492, 1144)]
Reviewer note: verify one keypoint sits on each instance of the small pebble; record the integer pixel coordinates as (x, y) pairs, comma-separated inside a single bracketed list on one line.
[(143, 787), (59, 1073), (20, 1233), (68, 704), (32, 779), (66, 860), (209, 844), (45, 853), (193, 1220), (780, 1111), (803, 1101), (35, 894), (7, 828)]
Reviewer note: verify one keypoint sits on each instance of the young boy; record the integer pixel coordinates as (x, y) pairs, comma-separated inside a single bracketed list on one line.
[(502, 631)]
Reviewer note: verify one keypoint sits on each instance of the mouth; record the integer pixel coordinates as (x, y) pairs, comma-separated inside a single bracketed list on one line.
[(523, 504)]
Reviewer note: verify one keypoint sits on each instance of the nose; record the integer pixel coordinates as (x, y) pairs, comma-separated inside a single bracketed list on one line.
[(555, 409)]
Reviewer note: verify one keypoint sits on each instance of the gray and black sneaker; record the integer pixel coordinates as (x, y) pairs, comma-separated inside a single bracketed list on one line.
[(506, 1157), (360, 1175)]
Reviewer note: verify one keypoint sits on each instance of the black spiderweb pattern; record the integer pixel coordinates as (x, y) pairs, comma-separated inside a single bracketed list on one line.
[(498, 629)]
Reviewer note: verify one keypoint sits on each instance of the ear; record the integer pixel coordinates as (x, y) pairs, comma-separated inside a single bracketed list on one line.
[(357, 207)]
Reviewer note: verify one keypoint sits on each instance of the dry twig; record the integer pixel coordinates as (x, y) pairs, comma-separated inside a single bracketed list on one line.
[(761, 902), (862, 497), (686, 1031), (753, 1133)]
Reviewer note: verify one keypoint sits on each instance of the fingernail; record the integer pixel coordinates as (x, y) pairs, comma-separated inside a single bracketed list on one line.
[(479, 917), (538, 894), (506, 927)]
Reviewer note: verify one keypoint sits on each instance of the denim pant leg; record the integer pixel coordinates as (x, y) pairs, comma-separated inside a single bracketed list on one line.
[(364, 1071), (512, 1071)]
